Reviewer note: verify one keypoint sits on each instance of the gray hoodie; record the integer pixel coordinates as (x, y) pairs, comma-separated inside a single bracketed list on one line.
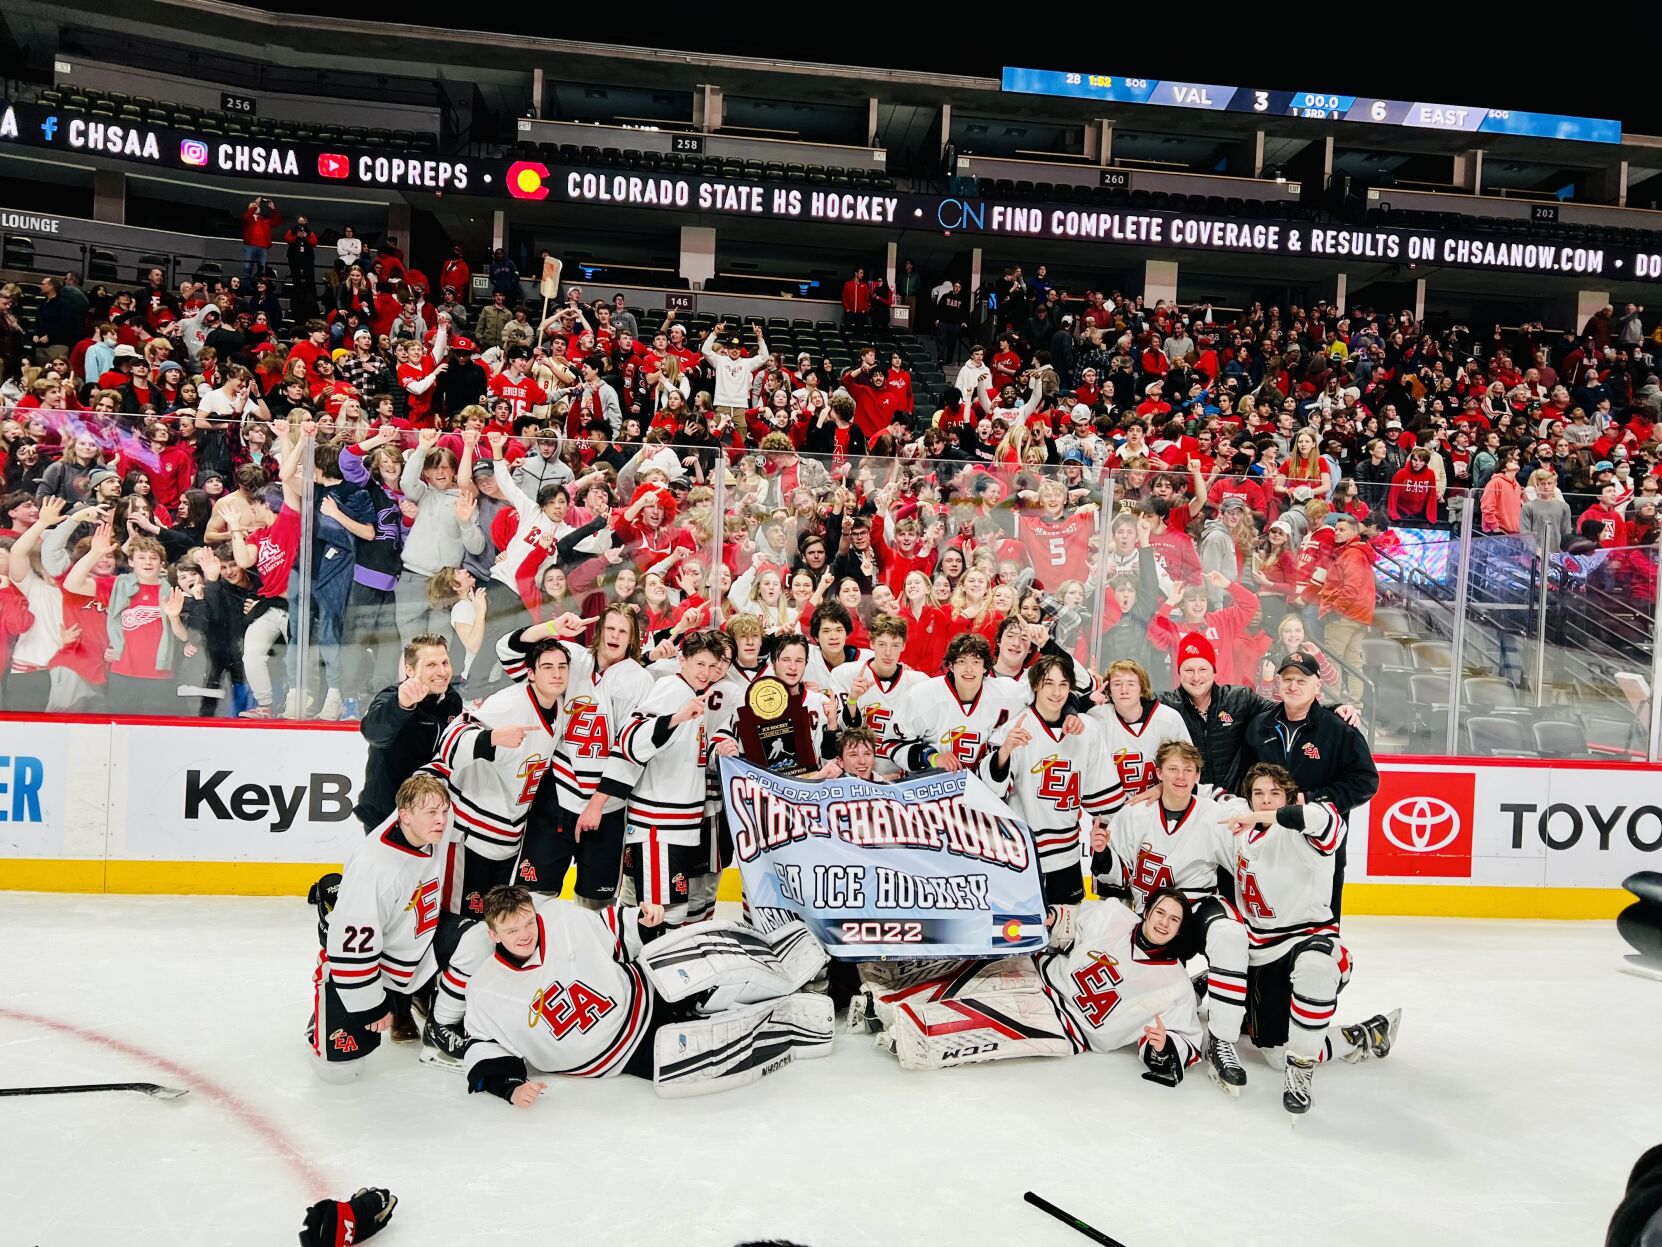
[(436, 540)]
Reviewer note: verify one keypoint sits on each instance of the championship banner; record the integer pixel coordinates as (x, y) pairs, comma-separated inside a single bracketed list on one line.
[(930, 867)]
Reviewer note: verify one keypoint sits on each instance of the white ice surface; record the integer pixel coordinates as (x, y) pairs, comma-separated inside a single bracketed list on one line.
[(1522, 1089)]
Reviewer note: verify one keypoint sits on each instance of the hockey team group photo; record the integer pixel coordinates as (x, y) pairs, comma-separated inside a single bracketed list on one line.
[(629, 635)]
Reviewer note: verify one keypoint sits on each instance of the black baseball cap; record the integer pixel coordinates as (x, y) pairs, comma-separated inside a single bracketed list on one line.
[(1303, 662)]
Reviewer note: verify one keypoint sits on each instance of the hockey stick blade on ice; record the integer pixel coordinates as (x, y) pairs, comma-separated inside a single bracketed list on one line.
[(1095, 1235), (150, 1089)]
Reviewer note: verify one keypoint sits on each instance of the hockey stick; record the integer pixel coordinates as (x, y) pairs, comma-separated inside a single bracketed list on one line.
[(1095, 1235), (148, 1088)]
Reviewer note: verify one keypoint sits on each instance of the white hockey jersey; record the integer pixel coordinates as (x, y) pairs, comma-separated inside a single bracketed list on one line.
[(1284, 879), (380, 935), (1152, 848), (575, 1006), (662, 766), (491, 788), (880, 705), (592, 715), (933, 719), (1132, 746), (822, 676), (1106, 988), (1050, 780)]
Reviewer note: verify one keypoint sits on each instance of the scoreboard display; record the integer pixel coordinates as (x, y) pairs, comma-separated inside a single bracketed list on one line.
[(1310, 105)]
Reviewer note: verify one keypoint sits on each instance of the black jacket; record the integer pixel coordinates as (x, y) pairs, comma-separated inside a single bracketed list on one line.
[(1328, 759), (400, 742), (1220, 734)]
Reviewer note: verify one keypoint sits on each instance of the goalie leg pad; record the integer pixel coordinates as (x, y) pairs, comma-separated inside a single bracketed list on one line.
[(733, 962), (740, 1045), (890, 984), (966, 1030)]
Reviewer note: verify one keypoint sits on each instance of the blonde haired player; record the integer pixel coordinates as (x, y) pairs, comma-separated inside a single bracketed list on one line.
[(378, 937), (1283, 868), (1135, 724), (1177, 840)]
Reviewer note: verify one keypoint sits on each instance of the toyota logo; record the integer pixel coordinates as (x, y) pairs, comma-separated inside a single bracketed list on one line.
[(1421, 824)]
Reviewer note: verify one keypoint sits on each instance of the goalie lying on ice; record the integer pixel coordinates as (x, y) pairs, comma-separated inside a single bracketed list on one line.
[(1109, 979)]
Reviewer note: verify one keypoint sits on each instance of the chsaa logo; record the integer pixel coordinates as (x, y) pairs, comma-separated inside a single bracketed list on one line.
[(1421, 824)]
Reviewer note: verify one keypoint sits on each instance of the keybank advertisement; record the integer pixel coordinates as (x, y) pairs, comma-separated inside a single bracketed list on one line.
[(36, 126), (177, 793), (247, 794), (282, 796)]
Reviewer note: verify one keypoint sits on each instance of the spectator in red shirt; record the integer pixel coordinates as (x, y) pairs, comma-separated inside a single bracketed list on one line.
[(1412, 502), (856, 300), (144, 624), (1606, 512), (456, 274), (259, 219), (168, 464), (1223, 628)]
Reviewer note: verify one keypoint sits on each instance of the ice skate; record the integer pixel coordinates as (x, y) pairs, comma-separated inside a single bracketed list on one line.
[(1295, 1093), (1223, 1066)]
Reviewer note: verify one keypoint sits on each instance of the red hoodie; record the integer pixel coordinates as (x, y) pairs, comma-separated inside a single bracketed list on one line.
[(1615, 525), (1413, 495)]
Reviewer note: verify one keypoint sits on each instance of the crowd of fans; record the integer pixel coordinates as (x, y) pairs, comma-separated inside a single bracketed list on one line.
[(469, 467)]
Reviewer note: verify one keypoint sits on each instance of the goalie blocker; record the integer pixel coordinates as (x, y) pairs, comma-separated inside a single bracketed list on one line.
[(1108, 981), (552, 987)]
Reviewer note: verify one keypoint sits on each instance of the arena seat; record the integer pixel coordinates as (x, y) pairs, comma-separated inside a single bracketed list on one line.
[(1431, 655), (1490, 736), (1559, 738)]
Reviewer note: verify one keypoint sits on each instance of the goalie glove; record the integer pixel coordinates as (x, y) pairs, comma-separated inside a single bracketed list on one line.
[(1059, 918), (1164, 1065), (332, 1223)]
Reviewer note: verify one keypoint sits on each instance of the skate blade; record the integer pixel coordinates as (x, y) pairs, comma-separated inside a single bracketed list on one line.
[(1229, 1088), (439, 1060)]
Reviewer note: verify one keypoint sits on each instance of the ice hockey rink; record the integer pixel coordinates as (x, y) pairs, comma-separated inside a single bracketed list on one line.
[(1522, 1089)]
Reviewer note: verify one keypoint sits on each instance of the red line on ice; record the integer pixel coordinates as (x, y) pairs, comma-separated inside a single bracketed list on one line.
[(310, 1176)]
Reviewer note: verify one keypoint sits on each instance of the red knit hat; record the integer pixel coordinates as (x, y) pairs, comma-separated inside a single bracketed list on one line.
[(1194, 645)]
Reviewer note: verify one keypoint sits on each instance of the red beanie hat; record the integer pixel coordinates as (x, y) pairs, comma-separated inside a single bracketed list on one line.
[(1194, 645)]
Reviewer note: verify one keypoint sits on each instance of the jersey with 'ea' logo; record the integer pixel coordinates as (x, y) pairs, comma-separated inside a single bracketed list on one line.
[(1153, 847), (934, 720), (1132, 746), (879, 706), (492, 786), (380, 935), (1050, 780), (576, 1005), (1106, 988), (1284, 878)]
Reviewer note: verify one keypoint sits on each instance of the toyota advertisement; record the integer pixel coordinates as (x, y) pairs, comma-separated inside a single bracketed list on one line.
[(1508, 824)]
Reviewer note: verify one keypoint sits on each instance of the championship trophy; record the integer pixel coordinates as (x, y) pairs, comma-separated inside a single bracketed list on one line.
[(774, 728)]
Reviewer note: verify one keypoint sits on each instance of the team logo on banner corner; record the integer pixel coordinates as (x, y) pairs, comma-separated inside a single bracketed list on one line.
[(1421, 825)]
